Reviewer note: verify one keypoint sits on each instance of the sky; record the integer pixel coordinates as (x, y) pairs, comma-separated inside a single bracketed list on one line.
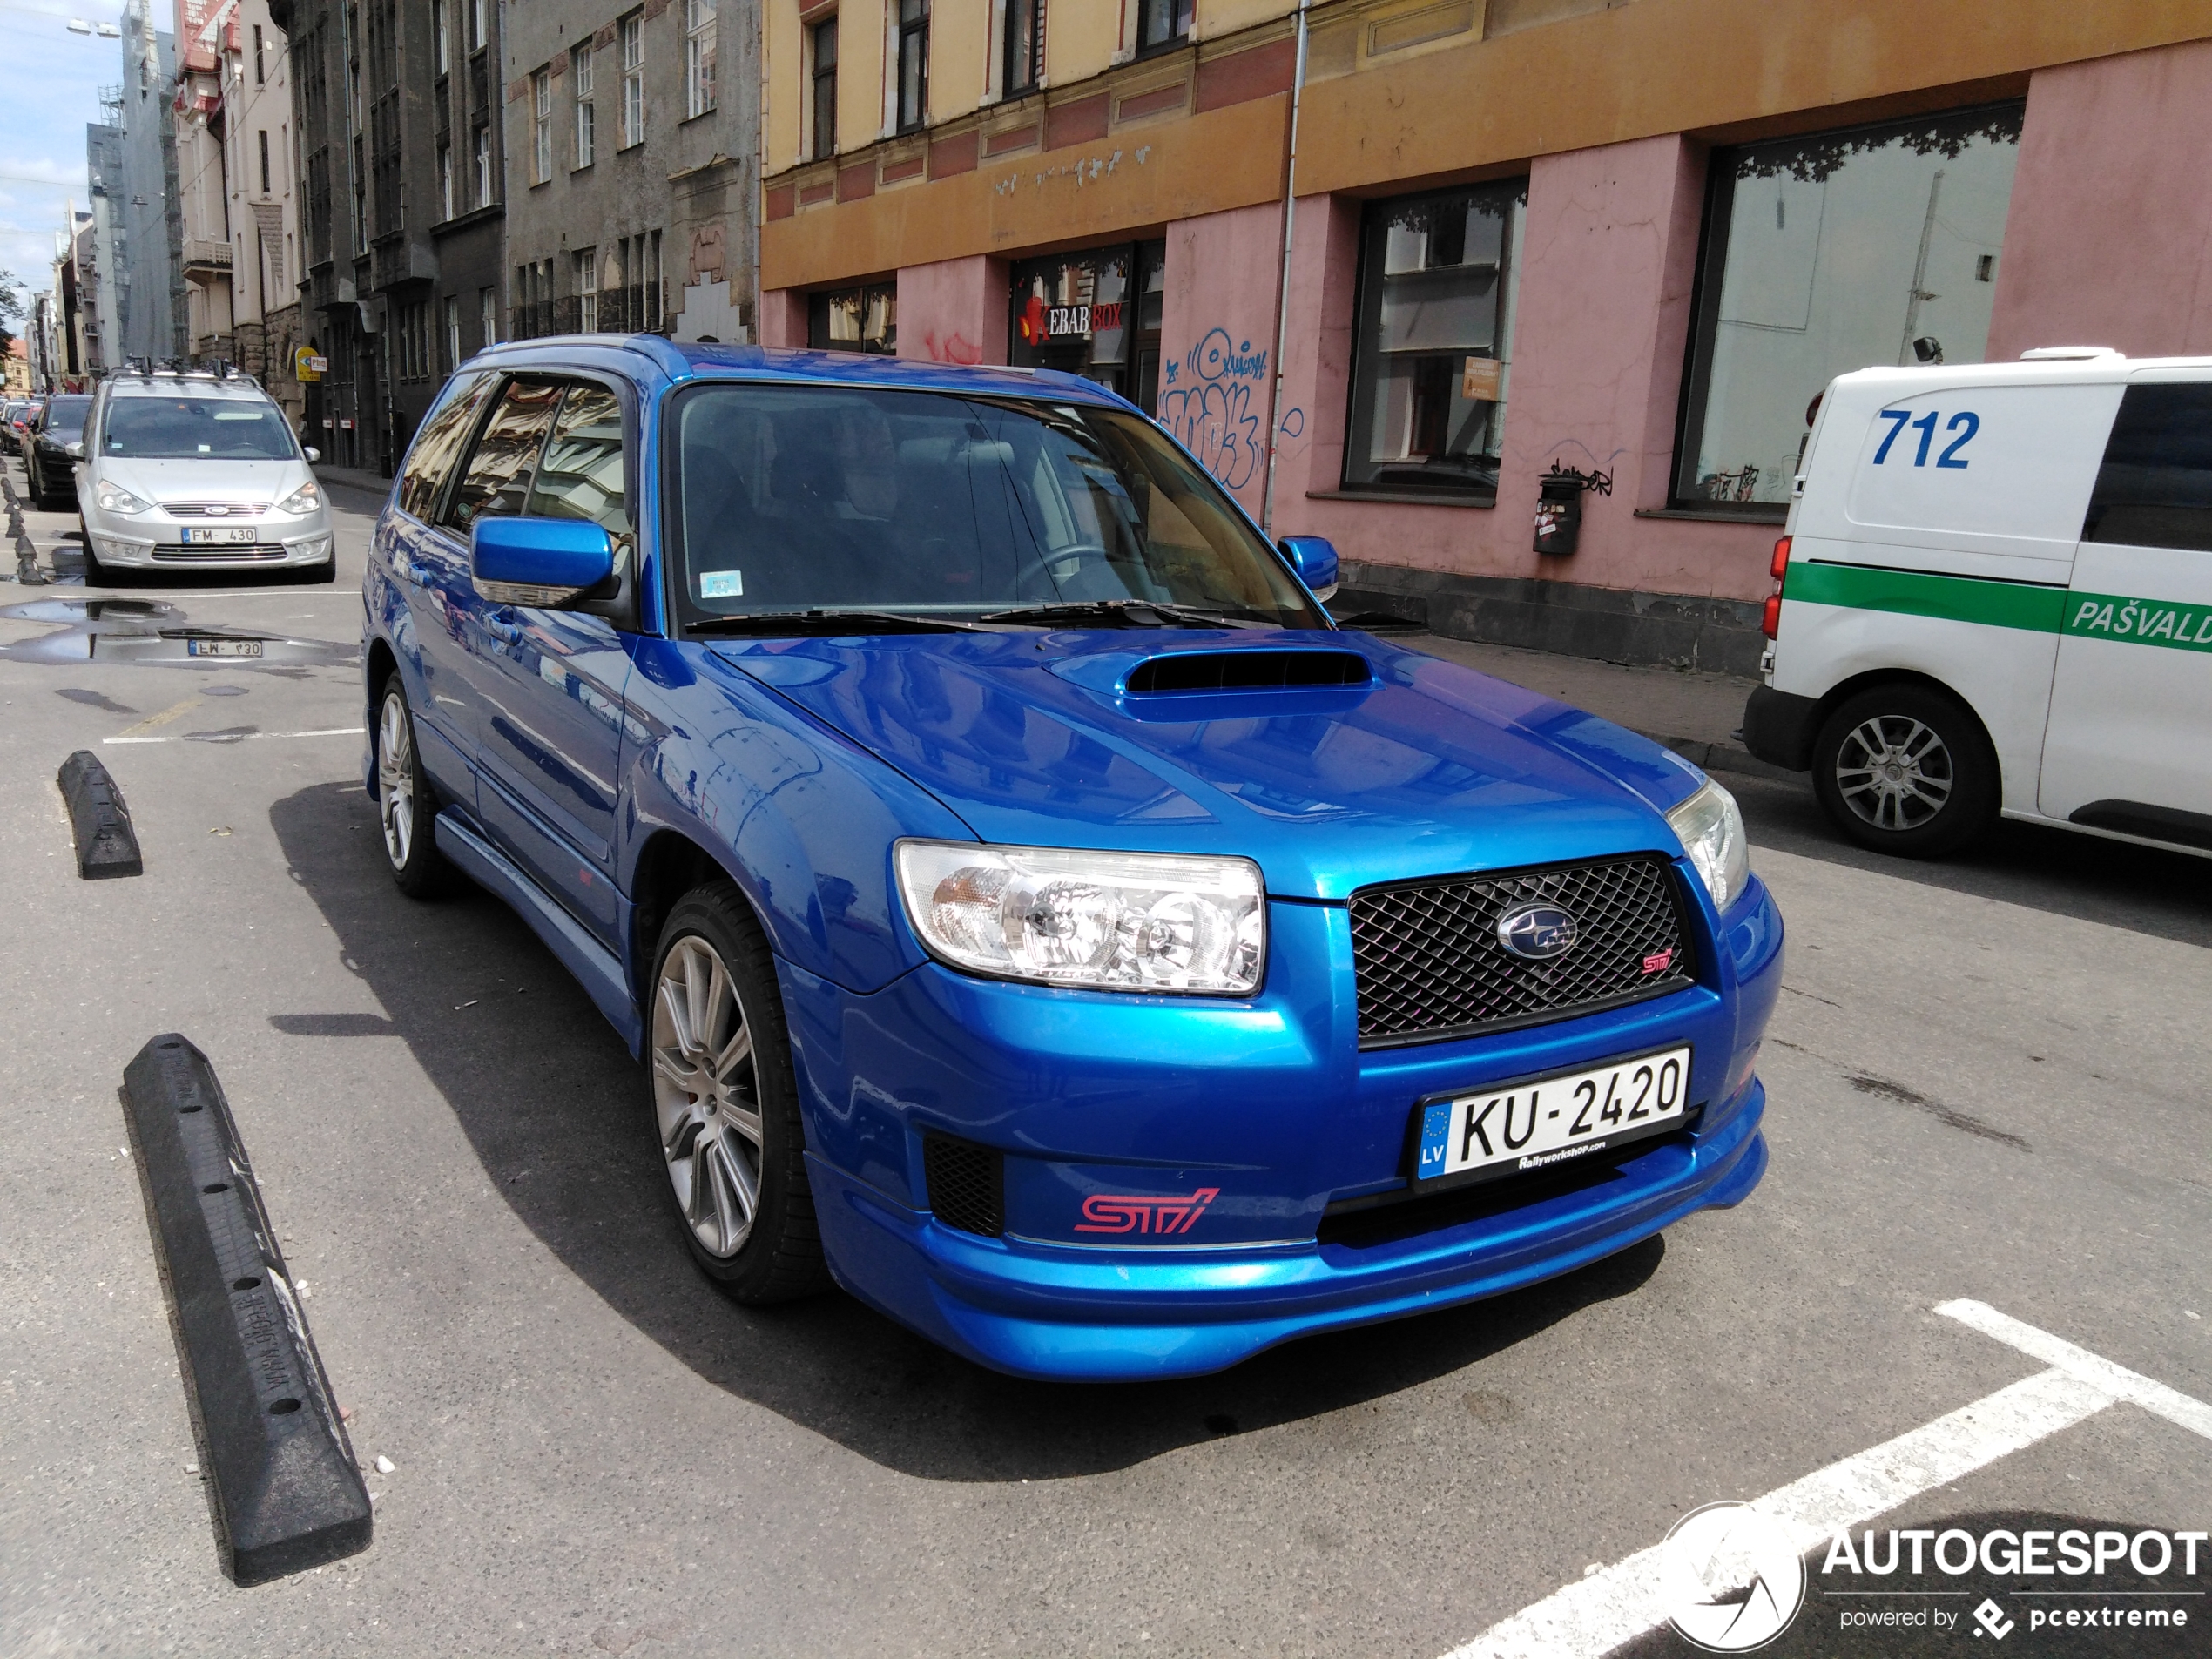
[(50, 82)]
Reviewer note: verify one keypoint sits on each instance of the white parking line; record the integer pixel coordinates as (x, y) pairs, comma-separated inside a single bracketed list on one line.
[(1620, 1603), (244, 737)]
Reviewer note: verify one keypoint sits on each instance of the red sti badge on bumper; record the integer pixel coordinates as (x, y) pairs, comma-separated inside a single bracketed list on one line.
[(1105, 1213)]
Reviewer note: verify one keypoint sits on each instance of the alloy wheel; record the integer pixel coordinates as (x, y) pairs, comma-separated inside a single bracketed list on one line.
[(706, 1095), (1894, 772), (395, 780)]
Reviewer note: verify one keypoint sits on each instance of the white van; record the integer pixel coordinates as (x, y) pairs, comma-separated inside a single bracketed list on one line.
[(1995, 596)]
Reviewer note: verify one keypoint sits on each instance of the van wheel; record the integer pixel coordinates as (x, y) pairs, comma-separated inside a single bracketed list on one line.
[(1907, 771)]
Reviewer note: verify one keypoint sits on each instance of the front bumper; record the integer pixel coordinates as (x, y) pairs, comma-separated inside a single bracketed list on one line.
[(154, 541), (1269, 1103)]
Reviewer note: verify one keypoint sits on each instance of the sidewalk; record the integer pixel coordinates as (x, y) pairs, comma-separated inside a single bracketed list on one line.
[(1695, 715), (368, 484)]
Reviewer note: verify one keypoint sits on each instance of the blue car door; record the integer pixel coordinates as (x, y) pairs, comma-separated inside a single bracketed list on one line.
[(552, 682), (430, 570)]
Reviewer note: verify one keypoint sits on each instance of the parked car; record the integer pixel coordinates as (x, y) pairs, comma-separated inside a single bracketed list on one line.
[(200, 471), (1994, 596), (19, 423), (8, 408), (52, 448), (1034, 914)]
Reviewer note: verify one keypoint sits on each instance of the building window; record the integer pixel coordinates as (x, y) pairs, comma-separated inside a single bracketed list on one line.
[(453, 333), (1024, 67), (441, 36), (698, 56), (1163, 23), (484, 166), (260, 63), (541, 126), (1097, 313), (488, 319), (261, 143), (1827, 254), (478, 34), (633, 79), (580, 74), (825, 101), (913, 64), (865, 320), (585, 265), (1431, 342), (445, 181)]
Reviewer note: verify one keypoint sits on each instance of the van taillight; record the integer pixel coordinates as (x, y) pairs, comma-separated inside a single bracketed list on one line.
[(1770, 618), (1781, 566)]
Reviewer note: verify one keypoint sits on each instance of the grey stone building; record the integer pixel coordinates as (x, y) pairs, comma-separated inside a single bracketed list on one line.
[(403, 181), (633, 135), (148, 232)]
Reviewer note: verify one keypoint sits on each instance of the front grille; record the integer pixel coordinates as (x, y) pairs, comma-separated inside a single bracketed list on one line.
[(967, 1185), (1429, 963), (236, 550), (206, 509)]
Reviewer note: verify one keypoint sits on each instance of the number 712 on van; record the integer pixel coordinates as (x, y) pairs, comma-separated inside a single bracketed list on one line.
[(1925, 425)]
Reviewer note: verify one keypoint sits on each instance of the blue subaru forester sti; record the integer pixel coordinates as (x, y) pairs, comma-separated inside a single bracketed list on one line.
[(1032, 911)]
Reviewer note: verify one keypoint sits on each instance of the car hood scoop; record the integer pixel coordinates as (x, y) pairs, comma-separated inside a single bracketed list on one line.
[(1337, 775)]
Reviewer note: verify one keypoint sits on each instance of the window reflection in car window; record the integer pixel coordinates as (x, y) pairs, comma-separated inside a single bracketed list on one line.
[(497, 480), (799, 498), (160, 428), (581, 474)]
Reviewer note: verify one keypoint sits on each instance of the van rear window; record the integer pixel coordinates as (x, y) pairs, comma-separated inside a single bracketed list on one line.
[(2155, 488)]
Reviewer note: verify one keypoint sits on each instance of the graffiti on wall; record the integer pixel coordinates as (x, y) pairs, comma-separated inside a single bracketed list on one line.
[(1215, 401), (951, 347)]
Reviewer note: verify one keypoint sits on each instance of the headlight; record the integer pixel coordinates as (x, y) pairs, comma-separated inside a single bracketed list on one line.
[(1712, 828), (113, 498), (1115, 921), (305, 499)]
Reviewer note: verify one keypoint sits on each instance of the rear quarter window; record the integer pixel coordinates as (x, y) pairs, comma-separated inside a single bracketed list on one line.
[(2013, 461)]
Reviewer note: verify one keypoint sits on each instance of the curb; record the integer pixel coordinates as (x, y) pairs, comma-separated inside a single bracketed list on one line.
[(287, 1494), (107, 842)]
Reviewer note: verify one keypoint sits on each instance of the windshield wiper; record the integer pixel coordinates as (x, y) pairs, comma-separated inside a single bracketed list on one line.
[(1130, 613), (832, 622)]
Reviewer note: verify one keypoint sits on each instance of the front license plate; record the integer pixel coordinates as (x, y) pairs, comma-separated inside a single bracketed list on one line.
[(220, 535), (1544, 1120), (222, 648)]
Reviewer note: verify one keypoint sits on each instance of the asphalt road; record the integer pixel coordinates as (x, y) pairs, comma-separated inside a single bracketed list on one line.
[(1988, 1079)]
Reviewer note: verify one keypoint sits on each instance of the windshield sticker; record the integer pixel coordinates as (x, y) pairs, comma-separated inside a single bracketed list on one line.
[(722, 585)]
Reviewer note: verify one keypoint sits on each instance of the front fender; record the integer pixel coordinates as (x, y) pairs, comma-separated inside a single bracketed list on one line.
[(802, 818)]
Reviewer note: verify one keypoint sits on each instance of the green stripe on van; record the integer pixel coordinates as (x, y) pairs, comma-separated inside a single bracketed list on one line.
[(1950, 598)]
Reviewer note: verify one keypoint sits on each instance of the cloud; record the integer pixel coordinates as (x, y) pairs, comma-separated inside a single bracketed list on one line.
[(50, 84)]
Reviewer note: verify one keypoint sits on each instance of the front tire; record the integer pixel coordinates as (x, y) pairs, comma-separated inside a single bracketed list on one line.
[(1907, 770), (725, 1104), (406, 810)]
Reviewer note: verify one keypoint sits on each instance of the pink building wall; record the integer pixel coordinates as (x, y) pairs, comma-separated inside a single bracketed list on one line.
[(1609, 259), (783, 317), (954, 311), (1217, 342), (2108, 242)]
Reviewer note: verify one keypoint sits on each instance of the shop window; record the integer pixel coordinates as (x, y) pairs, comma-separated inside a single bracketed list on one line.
[(865, 320), (1024, 67), (823, 37), (1163, 23), (1432, 349), (913, 64), (1825, 254), (1096, 313)]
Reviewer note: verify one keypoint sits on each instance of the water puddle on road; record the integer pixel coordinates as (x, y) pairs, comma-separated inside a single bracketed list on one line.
[(152, 633)]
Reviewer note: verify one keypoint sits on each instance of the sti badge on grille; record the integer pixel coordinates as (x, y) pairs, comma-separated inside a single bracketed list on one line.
[(1537, 931)]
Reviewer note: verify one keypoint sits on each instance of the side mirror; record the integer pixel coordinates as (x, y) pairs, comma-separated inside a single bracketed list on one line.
[(313, 455), (546, 563), (1315, 560), (77, 448)]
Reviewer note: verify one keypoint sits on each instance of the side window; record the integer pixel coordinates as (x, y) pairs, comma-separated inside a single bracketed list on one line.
[(497, 480), (438, 446), (582, 476), (2155, 488)]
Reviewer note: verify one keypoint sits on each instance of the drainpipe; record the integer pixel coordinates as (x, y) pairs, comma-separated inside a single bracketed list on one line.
[(1283, 284)]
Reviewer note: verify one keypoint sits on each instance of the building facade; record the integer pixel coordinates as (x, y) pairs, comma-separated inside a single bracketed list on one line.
[(151, 319), (632, 134), (100, 298), (1387, 266), (402, 172)]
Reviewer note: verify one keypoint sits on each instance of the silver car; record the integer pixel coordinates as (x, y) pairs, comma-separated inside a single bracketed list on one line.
[(197, 471)]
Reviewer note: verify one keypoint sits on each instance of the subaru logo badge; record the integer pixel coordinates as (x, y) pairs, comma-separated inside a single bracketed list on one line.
[(1538, 932)]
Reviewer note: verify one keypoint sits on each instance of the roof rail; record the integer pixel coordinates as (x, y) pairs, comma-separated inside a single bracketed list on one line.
[(2068, 353)]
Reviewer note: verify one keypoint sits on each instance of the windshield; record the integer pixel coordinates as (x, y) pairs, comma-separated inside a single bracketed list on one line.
[(849, 498), (67, 415), (189, 428)]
